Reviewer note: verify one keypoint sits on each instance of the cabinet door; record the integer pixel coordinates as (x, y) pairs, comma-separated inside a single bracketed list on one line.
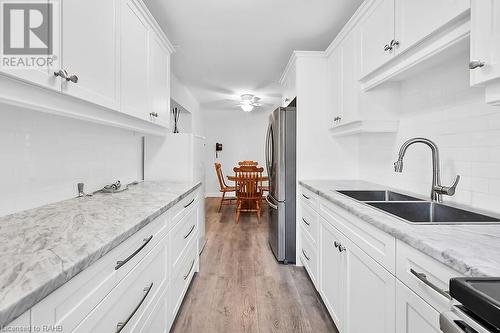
[(485, 40), (377, 30), (134, 61), (332, 270), (410, 15), (370, 294), (335, 78), (91, 51), (413, 314), (43, 75), (159, 80), (350, 74)]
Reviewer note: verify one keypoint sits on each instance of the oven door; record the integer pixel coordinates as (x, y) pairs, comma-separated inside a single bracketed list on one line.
[(457, 321)]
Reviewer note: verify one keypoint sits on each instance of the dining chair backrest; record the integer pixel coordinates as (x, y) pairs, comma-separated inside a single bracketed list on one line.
[(220, 176), (248, 179), (248, 163)]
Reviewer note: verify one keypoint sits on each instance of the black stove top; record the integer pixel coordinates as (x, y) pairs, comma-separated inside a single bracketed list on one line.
[(480, 297)]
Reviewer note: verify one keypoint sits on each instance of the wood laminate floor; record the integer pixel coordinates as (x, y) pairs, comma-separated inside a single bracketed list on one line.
[(241, 287)]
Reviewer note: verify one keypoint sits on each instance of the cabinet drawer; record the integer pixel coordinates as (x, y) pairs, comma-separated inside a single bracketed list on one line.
[(436, 273), (133, 298), (180, 237), (181, 208), (309, 221), (309, 257), (182, 278), (376, 243), (309, 197), (68, 305)]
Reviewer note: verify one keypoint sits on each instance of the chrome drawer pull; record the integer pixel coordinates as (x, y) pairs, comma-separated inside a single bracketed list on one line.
[(122, 324), (120, 263), (305, 255), (337, 244), (190, 269), (307, 223), (305, 196), (190, 231), (422, 277), (189, 204)]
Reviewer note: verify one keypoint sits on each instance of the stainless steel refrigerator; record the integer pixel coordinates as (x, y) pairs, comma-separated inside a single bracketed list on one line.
[(281, 168)]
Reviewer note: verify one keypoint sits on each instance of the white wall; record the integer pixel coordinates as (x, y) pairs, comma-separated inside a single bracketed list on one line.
[(44, 157), (439, 104), (243, 136), (183, 96)]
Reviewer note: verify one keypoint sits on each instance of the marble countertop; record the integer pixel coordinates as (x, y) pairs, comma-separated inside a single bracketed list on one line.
[(473, 250), (43, 248)]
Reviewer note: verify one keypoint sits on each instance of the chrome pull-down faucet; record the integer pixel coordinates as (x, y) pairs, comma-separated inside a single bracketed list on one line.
[(437, 190)]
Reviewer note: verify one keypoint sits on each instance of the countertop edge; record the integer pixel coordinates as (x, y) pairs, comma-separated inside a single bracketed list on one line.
[(29, 300), (443, 257)]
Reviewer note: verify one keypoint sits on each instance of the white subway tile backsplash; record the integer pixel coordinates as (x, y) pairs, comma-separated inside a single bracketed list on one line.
[(444, 109), (45, 156)]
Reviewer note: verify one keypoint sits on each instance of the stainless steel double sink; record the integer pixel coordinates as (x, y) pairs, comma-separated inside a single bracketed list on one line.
[(417, 211)]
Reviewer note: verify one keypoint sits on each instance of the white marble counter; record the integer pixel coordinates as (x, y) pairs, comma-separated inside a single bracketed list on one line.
[(473, 250), (43, 248)]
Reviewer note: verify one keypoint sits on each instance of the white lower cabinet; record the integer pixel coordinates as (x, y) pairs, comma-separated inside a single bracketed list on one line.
[(127, 305), (332, 281), (370, 290), (413, 314), (136, 287), (365, 276)]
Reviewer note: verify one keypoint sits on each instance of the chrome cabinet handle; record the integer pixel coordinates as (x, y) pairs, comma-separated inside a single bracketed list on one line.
[(342, 248), (61, 73), (189, 204), (154, 114), (73, 78), (273, 206), (190, 269), (422, 277), (394, 43), (387, 47), (476, 64), (122, 324), (305, 255), (120, 263), (305, 221), (190, 231), (337, 244), (305, 196)]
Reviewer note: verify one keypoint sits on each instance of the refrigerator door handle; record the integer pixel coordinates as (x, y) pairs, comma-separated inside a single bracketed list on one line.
[(273, 206), (268, 162)]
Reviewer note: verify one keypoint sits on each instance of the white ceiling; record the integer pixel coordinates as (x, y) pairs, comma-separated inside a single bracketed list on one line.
[(225, 48)]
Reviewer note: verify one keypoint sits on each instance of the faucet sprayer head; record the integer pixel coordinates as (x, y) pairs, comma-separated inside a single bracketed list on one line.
[(398, 165)]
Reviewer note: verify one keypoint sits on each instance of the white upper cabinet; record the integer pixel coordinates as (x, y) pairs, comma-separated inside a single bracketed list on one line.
[(159, 69), (485, 48), (135, 61), (377, 32), (335, 82), (416, 20), (91, 52), (110, 53)]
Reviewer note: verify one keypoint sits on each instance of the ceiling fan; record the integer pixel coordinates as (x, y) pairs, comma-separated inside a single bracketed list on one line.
[(249, 102)]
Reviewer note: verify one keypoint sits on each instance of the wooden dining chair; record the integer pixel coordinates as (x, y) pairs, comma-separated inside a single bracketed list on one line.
[(248, 163), (248, 191), (224, 188)]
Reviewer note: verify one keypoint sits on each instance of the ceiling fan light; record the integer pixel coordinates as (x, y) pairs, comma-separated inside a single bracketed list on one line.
[(247, 107)]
